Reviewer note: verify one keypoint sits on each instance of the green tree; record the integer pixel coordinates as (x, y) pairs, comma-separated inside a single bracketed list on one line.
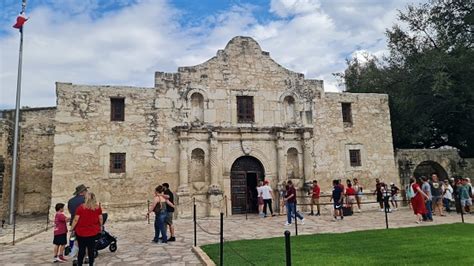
[(428, 74)]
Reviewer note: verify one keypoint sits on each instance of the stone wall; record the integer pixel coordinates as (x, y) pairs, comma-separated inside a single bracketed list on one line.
[(370, 132), (35, 163), (185, 131)]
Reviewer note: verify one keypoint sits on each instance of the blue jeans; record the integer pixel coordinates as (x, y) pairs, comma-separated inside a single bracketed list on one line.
[(160, 226), (446, 204), (429, 211), (291, 210)]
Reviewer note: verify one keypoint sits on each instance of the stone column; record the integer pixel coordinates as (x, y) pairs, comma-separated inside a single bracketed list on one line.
[(183, 166), (185, 205), (214, 191), (281, 162), (307, 156)]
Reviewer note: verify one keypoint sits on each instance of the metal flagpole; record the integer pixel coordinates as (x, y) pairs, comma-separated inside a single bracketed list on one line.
[(17, 120)]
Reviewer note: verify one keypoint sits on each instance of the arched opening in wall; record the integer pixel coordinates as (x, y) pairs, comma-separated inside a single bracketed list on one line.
[(197, 107), (426, 168), (289, 108), (292, 165), (245, 173), (197, 172)]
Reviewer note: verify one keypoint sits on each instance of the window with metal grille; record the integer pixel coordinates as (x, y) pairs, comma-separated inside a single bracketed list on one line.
[(117, 162), (245, 109), (346, 113), (354, 156), (117, 109)]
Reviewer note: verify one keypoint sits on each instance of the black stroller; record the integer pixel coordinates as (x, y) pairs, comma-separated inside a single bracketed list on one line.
[(105, 240)]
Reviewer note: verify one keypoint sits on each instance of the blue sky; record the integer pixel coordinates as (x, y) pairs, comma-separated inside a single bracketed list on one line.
[(123, 42)]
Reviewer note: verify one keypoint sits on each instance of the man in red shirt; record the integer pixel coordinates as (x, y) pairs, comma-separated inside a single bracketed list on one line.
[(316, 191)]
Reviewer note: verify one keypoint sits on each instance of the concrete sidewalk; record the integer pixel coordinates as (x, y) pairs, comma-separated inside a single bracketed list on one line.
[(134, 238)]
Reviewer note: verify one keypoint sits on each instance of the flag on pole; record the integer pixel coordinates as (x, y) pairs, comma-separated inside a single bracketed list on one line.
[(20, 20)]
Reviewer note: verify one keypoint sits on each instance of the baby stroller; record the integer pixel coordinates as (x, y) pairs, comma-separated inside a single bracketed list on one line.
[(105, 240)]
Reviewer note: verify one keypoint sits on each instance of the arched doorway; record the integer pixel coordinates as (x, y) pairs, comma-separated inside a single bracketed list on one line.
[(246, 171), (426, 168)]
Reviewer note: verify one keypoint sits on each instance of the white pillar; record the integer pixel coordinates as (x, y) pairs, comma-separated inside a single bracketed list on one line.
[(307, 156)]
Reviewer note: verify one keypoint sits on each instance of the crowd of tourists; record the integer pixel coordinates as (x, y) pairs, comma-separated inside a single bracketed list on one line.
[(429, 197), (425, 196)]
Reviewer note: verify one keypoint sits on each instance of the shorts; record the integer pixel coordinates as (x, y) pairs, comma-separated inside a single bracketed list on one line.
[(351, 199), (337, 205), (436, 198), (315, 200), (260, 201), (60, 239), (395, 198), (379, 198), (466, 202), (169, 218)]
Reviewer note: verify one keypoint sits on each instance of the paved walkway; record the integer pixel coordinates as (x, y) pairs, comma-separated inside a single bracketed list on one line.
[(134, 245)]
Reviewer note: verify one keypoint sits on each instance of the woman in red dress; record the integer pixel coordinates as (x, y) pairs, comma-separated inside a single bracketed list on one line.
[(418, 201)]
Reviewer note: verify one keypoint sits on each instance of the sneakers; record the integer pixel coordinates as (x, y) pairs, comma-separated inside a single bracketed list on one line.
[(317, 214), (287, 224), (311, 214), (381, 210), (172, 239), (359, 211), (61, 257), (302, 221)]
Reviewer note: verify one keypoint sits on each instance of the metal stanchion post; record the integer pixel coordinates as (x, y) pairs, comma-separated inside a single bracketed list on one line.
[(287, 248), (462, 208), (221, 249), (296, 220), (194, 220), (14, 226), (47, 218), (226, 206), (147, 209), (385, 202)]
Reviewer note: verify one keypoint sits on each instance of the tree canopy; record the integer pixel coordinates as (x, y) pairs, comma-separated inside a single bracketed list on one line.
[(428, 74)]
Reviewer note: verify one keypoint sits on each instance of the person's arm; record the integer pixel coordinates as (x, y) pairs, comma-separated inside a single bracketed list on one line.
[(422, 193), (101, 219), (152, 207), (166, 196), (169, 203), (74, 222)]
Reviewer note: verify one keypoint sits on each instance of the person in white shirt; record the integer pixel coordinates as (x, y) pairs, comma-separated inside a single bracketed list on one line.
[(260, 199), (267, 198), (447, 194)]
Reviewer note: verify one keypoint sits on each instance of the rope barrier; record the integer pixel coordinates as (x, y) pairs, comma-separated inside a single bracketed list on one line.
[(205, 231), (237, 253)]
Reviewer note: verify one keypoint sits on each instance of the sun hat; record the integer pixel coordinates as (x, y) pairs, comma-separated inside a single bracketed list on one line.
[(80, 189)]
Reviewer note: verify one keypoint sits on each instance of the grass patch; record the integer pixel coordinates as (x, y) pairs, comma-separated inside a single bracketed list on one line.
[(448, 244)]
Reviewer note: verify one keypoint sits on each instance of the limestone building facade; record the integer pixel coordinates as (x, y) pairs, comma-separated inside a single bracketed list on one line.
[(212, 131)]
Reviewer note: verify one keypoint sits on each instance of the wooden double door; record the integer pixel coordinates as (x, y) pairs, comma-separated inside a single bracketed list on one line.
[(246, 172)]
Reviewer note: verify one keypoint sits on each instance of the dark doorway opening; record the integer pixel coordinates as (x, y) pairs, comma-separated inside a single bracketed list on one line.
[(245, 173), (427, 168)]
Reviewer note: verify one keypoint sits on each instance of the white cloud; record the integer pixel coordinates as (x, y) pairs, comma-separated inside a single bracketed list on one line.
[(127, 46), (285, 8)]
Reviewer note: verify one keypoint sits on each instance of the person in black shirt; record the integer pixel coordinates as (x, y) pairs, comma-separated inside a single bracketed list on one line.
[(170, 210), (72, 204)]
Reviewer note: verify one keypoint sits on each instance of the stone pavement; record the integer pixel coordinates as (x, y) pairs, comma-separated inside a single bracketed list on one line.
[(25, 227), (134, 245)]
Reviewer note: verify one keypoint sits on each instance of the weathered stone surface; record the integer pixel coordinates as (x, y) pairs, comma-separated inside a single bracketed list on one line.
[(35, 161), (185, 131)]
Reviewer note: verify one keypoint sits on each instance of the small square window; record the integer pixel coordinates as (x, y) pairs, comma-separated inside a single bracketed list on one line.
[(117, 109), (354, 157), (117, 163), (245, 109), (346, 113)]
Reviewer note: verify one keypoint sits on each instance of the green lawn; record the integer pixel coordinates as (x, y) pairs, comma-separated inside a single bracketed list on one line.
[(450, 244)]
